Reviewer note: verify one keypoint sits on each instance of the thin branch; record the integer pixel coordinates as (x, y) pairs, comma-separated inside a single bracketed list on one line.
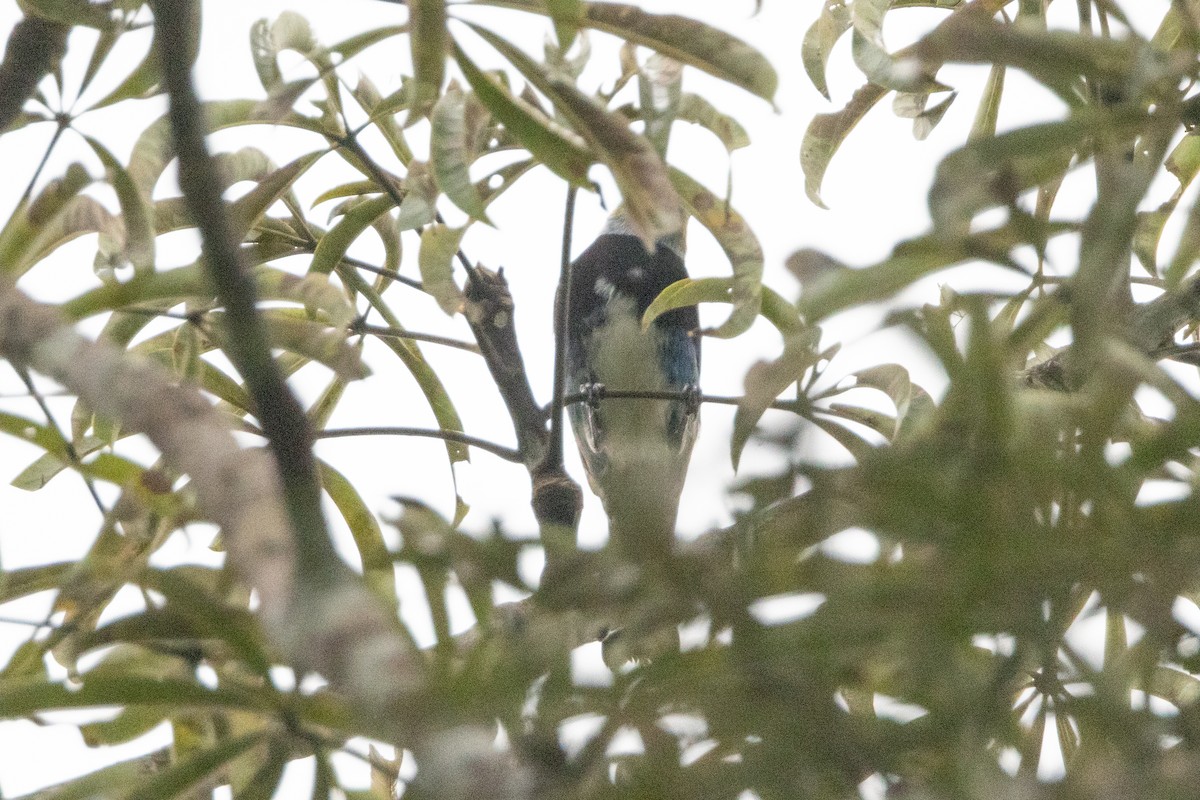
[(282, 417), (554, 450), (396, 333), (580, 397), (68, 445), (387, 273), (507, 453)]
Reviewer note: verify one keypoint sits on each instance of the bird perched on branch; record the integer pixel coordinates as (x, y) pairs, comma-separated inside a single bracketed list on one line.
[(636, 451)]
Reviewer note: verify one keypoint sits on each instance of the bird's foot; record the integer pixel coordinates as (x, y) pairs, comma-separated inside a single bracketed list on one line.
[(691, 399), (593, 393)]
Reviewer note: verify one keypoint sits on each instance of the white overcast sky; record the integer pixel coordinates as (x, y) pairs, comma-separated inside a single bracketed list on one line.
[(875, 189)]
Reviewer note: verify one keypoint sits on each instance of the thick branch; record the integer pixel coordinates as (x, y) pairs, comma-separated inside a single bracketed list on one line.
[(342, 632), (557, 499), (283, 420), (489, 312)]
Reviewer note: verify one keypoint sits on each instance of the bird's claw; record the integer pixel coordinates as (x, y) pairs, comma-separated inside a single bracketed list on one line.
[(691, 398), (593, 393)]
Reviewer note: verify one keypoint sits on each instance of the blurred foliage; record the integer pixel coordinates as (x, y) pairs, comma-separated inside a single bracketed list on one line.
[(1034, 511)]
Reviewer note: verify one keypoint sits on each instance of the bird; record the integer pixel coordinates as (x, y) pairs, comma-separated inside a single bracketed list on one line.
[(635, 451)]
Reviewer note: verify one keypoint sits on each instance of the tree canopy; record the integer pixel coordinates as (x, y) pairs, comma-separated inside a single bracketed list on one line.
[(1040, 507)]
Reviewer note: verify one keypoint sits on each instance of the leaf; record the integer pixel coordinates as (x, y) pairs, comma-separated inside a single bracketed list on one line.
[(839, 289), (820, 39), (410, 354), (693, 291), (914, 406), (988, 112), (652, 204), (427, 19), (182, 775), (1056, 58), (135, 216), (546, 141), (246, 211), (309, 338), (990, 172), (15, 583), (153, 149), (378, 569), (56, 216), (439, 244), (382, 115), (314, 291), (695, 109), (739, 244), (71, 12), (451, 155), (903, 73), (567, 16), (146, 78), (331, 248), (766, 380), (681, 38), (826, 133)]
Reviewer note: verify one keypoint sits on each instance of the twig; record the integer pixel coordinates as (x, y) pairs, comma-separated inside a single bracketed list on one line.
[(282, 417), (507, 453), (68, 445), (554, 450), (387, 273), (395, 333)]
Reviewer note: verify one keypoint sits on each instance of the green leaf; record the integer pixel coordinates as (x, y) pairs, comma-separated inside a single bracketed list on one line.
[(990, 172), (451, 154), (410, 354), (291, 330), (739, 244), (56, 216), (904, 74), (838, 289), (819, 41), (25, 697), (567, 16), (146, 79), (652, 204), (914, 406), (111, 781), (558, 149), (153, 149), (248, 209), (766, 380), (695, 109), (331, 248), (1056, 58), (71, 12), (439, 244), (378, 569), (427, 19), (135, 215), (382, 114), (25, 581), (203, 765), (988, 112), (693, 291), (826, 133), (686, 40)]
